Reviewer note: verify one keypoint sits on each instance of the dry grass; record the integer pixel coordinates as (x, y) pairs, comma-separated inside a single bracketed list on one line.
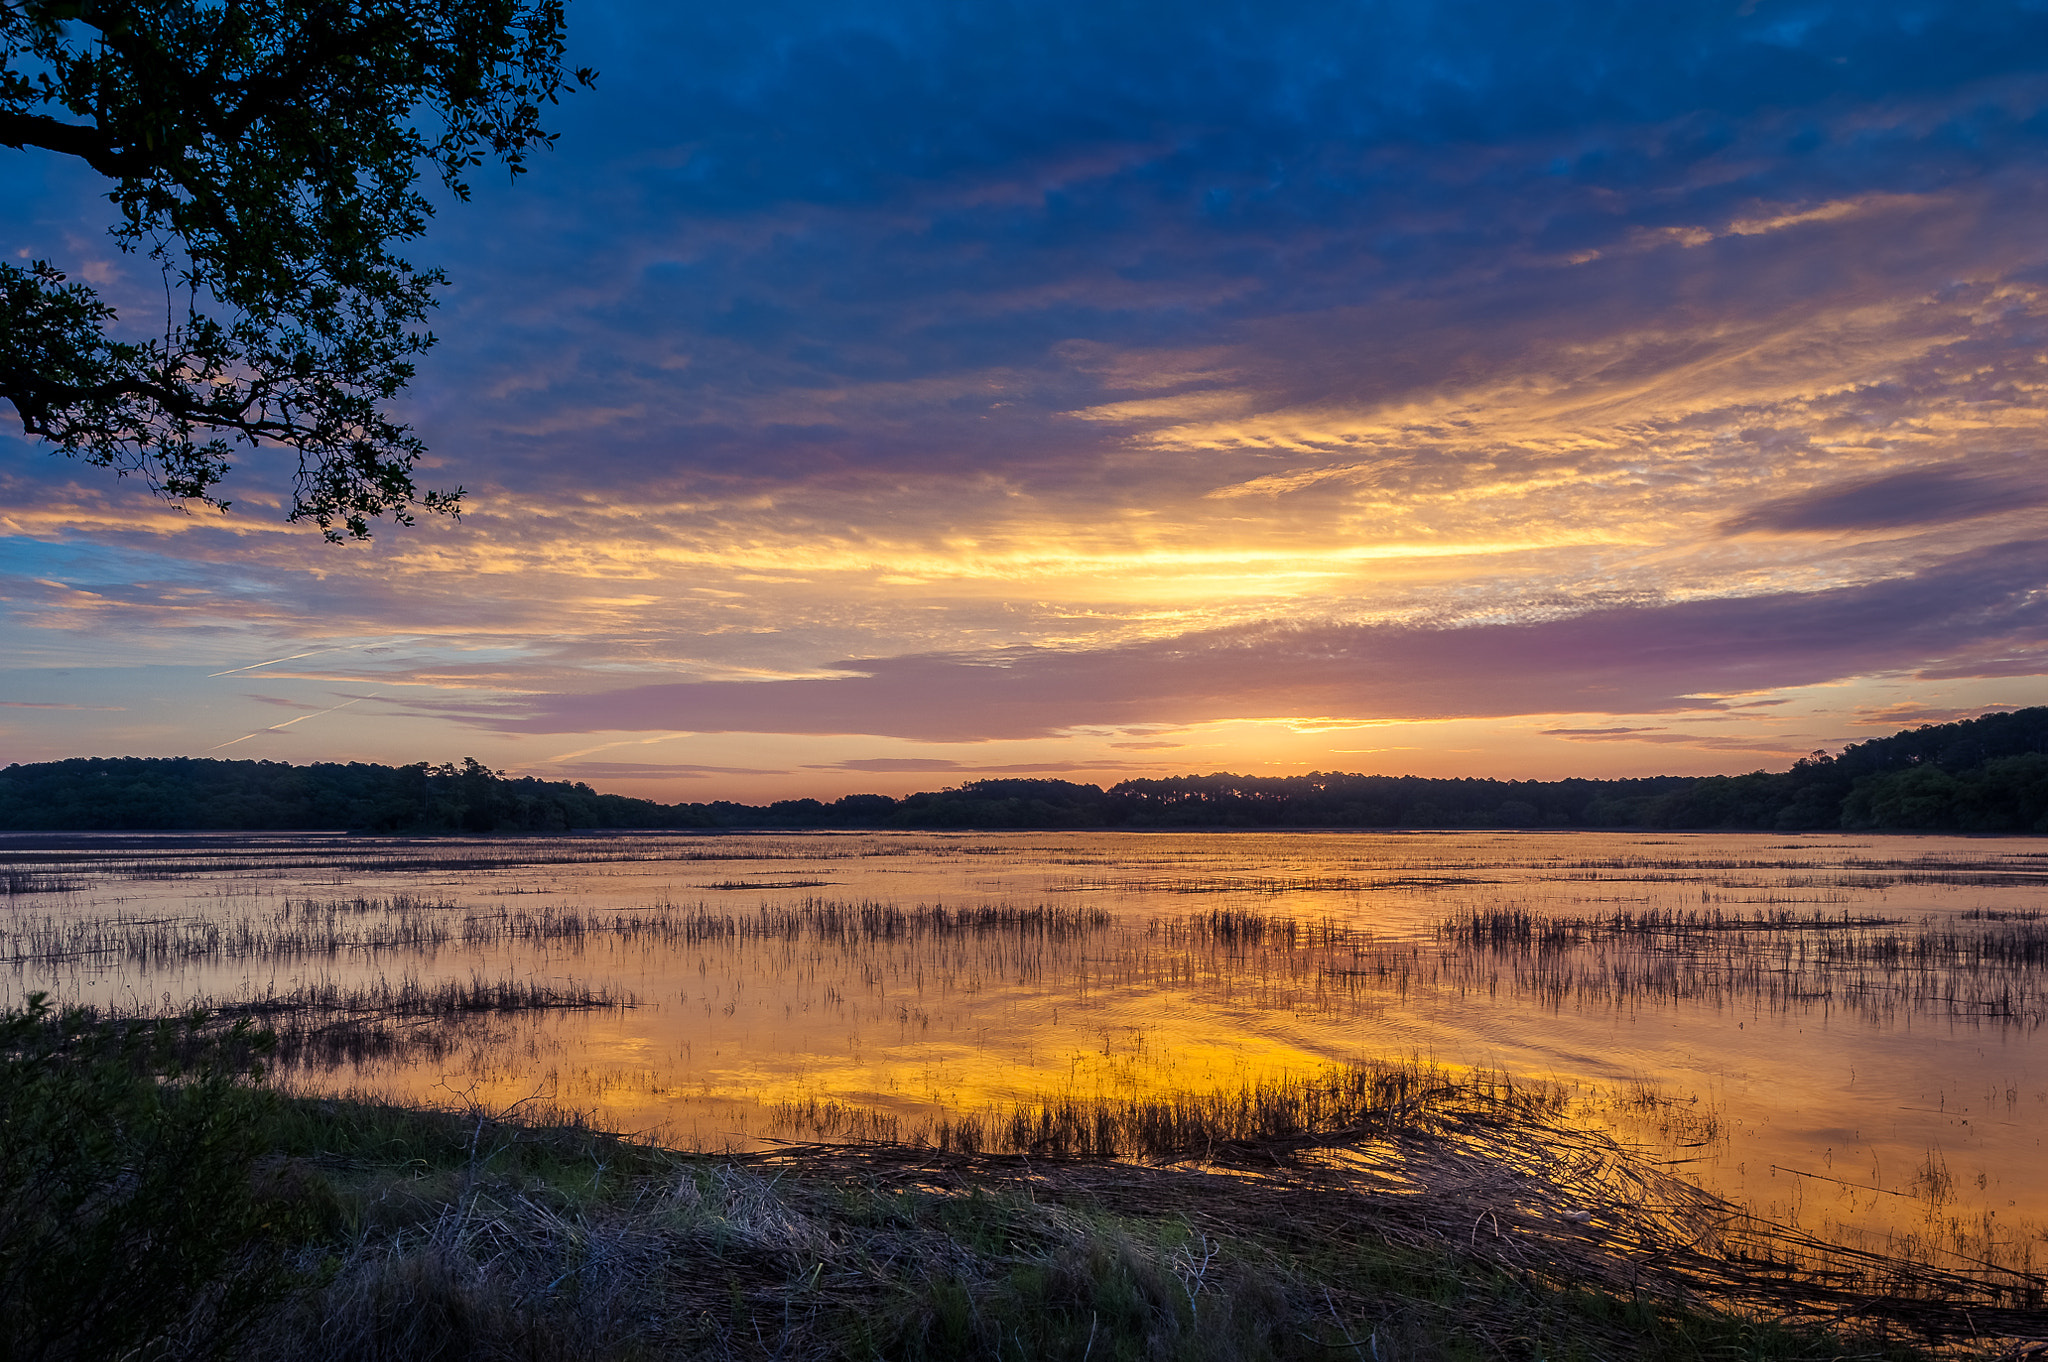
[(1468, 1221), (1508, 1187)]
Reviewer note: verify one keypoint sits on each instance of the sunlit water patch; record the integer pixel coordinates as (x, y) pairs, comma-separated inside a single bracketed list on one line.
[(1844, 1033)]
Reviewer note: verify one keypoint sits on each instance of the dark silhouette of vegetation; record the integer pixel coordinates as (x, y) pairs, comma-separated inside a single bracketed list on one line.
[(1980, 775), (266, 156), (387, 1233), (128, 1219)]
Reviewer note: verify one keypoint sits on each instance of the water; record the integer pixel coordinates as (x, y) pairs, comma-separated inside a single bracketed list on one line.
[(1841, 1032)]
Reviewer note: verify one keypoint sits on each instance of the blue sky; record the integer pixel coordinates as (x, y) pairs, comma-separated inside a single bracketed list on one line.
[(871, 396)]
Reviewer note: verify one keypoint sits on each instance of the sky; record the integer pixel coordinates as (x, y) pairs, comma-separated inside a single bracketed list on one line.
[(882, 396)]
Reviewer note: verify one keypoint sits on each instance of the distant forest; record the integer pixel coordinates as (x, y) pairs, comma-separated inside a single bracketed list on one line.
[(1981, 775)]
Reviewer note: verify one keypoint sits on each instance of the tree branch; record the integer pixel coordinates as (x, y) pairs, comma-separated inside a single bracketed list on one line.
[(90, 143)]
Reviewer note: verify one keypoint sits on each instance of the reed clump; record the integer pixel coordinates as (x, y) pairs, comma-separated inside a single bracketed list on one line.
[(1986, 969), (1337, 1105), (326, 1024), (298, 930), (13, 882)]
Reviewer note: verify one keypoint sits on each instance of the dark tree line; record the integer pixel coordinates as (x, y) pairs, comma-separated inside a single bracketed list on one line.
[(1980, 775)]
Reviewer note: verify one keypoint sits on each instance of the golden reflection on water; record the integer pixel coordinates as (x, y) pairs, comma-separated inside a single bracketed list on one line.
[(1810, 1066)]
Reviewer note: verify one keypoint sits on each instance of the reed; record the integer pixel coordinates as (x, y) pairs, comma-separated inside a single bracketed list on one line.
[(1990, 973), (326, 1024), (363, 928), (1340, 1104), (13, 882)]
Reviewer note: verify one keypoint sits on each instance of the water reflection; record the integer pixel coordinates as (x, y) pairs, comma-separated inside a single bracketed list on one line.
[(1842, 1032)]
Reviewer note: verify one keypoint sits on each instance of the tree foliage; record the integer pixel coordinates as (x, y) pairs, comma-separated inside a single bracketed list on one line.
[(266, 155)]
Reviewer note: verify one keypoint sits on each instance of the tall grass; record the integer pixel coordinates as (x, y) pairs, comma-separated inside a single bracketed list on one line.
[(1338, 1104), (309, 929), (126, 1213), (1873, 965), (13, 882)]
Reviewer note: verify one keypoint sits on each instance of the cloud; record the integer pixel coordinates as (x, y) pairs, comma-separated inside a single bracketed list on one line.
[(941, 766), (642, 770), (1704, 741), (41, 704), (282, 703), (892, 765), (1625, 660), (1908, 714), (1919, 496), (1081, 364)]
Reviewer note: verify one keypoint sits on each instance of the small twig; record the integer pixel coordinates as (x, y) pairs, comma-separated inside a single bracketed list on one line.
[(1356, 1346)]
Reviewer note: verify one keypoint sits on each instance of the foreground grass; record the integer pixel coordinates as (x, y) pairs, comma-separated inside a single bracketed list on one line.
[(208, 1216), (440, 1235)]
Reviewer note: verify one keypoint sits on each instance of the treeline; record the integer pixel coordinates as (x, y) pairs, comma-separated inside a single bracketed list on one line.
[(1980, 775)]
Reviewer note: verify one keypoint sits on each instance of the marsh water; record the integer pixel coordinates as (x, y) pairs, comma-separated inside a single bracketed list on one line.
[(1841, 1032)]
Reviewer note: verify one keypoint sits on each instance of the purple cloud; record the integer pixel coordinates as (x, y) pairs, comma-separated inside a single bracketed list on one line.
[(1920, 496)]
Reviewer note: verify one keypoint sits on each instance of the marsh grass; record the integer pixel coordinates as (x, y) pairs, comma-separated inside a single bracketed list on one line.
[(13, 882), (1469, 1229), (1390, 1211), (126, 1221), (296, 930), (766, 884), (161, 857), (1877, 966), (1338, 1105), (325, 1025), (1264, 884), (1770, 931)]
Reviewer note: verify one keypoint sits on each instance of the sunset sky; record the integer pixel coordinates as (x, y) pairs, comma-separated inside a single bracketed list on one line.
[(878, 396)]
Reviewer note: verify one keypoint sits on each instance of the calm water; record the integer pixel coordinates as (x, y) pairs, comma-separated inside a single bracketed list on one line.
[(1868, 1055)]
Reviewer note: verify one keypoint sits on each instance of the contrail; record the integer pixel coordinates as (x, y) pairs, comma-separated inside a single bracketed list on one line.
[(289, 722), (623, 742), (272, 663)]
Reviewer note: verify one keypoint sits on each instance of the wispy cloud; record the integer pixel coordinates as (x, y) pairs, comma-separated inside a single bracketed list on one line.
[(45, 704)]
